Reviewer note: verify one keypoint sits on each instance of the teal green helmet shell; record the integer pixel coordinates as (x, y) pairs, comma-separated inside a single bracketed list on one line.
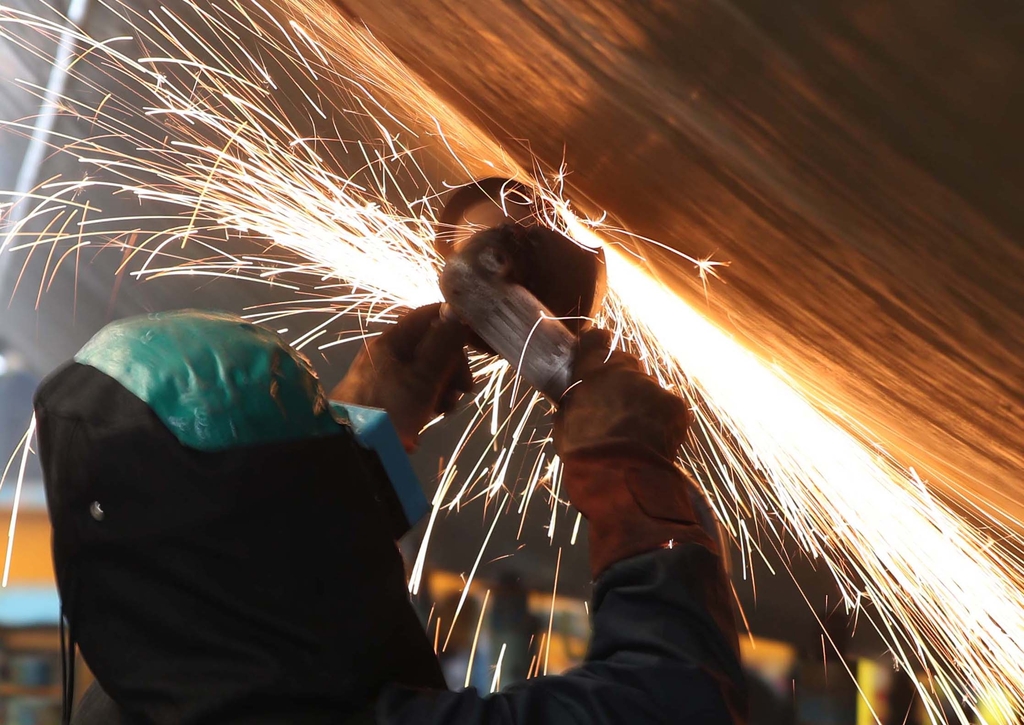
[(218, 382), (215, 380)]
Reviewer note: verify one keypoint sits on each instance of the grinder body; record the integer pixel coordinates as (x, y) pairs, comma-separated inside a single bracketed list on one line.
[(509, 319), (526, 291)]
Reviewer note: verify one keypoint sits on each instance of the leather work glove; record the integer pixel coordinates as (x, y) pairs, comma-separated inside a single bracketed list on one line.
[(416, 371), (618, 432), (615, 408)]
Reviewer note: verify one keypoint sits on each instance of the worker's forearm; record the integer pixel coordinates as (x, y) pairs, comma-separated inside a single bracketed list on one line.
[(637, 508), (666, 617), (662, 650)]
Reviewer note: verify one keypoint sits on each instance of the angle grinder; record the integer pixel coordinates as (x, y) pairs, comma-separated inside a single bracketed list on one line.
[(526, 291)]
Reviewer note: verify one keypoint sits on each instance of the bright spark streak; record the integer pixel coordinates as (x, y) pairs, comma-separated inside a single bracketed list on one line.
[(496, 681), (26, 445), (476, 637), (551, 618), (576, 529)]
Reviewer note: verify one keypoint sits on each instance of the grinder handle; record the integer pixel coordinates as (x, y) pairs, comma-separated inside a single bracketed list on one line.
[(511, 320)]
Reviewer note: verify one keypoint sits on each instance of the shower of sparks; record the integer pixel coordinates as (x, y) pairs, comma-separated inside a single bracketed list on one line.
[(293, 135)]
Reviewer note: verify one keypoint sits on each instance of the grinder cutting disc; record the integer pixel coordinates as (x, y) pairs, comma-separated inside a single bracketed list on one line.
[(569, 280), (479, 205)]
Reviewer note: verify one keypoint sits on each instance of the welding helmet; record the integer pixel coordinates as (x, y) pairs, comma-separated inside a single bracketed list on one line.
[(223, 537)]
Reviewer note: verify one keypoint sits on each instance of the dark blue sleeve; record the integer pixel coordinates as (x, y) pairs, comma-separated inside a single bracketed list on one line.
[(663, 650)]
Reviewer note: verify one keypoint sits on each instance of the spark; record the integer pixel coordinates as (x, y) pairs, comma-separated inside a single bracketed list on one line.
[(476, 636), (535, 661), (26, 445), (551, 618), (348, 224), (496, 680)]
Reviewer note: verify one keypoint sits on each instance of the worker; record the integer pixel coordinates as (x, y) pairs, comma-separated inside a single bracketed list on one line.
[(218, 569)]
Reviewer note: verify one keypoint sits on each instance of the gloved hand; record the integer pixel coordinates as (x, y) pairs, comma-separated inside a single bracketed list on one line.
[(416, 371), (618, 432), (614, 408)]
